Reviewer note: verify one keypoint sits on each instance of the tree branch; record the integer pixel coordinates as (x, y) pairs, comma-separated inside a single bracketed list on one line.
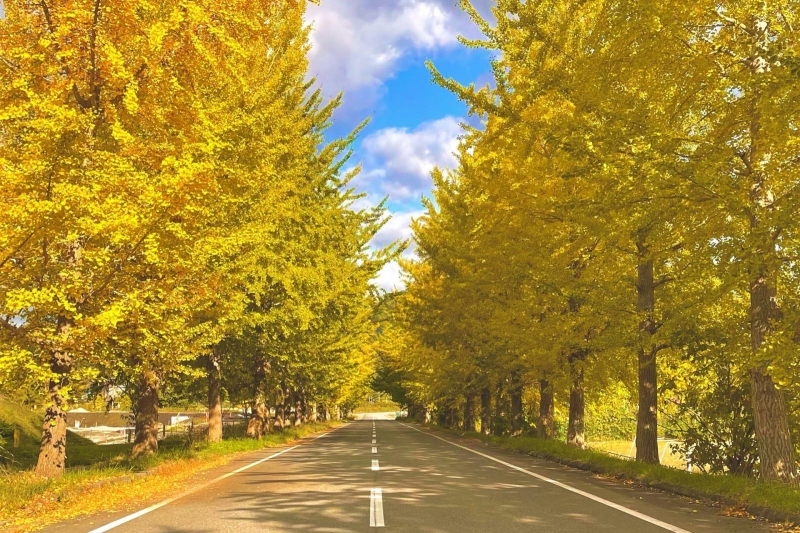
[(18, 248)]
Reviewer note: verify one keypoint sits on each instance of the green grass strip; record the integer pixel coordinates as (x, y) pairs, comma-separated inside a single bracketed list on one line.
[(758, 497), (108, 463)]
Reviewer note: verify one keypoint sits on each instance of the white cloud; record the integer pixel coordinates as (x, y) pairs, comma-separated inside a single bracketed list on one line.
[(390, 278), (358, 44), (409, 156), (397, 228), (368, 180)]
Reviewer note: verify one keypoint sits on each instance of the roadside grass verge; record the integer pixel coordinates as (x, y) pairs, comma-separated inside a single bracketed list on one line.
[(80, 452), (626, 448), (114, 482), (776, 502)]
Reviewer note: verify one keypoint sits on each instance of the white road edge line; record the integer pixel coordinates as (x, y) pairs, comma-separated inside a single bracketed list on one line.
[(374, 449), (598, 499), (374, 441), (376, 508), (375, 465), (134, 516)]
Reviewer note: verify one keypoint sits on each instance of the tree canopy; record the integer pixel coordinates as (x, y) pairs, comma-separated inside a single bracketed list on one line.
[(625, 214), (172, 209)]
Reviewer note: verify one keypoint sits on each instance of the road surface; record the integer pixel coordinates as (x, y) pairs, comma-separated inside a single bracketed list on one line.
[(371, 474)]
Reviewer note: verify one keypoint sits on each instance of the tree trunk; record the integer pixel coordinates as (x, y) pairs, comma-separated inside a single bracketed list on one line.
[(279, 416), (647, 417), (469, 413), (214, 399), (52, 460), (498, 425), (486, 411), (146, 431), (53, 447), (298, 412), (258, 424), (546, 409), (516, 403), (303, 409), (287, 407), (577, 404), (775, 449)]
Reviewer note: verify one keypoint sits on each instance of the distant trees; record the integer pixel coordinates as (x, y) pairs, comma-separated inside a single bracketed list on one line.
[(626, 211), (170, 209)]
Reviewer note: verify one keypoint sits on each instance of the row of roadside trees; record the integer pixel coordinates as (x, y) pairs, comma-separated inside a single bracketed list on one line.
[(171, 213), (626, 214)]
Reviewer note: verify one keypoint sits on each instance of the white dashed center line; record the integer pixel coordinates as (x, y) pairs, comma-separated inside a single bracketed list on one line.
[(376, 508)]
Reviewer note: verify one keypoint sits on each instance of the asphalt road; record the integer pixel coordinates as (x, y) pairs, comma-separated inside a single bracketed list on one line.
[(412, 481)]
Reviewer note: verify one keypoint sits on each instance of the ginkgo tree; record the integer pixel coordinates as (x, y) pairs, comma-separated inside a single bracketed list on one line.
[(633, 168), (167, 195)]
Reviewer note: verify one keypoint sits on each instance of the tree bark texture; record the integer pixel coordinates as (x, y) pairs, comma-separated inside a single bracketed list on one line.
[(146, 430), (577, 402), (304, 415), (285, 408), (279, 416), (497, 421), (546, 409), (469, 413), (775, 449), (516, 403), (486, 411), (53, 447), (214, 399), (451, 415), (52, 458), (258, 424), (298, 412), (647, 416)]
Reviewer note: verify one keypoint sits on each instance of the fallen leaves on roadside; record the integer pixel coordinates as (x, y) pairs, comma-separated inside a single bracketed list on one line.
[(734, 511), (98, 492)]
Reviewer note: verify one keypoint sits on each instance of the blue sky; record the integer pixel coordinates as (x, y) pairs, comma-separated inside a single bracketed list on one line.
[(375, 51)]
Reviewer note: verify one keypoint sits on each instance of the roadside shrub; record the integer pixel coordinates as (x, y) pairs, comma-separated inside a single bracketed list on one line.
[(715, 422)]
